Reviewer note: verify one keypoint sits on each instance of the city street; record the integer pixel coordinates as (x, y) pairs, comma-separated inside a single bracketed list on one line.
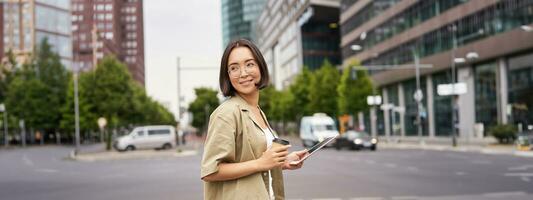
[(45, 173)]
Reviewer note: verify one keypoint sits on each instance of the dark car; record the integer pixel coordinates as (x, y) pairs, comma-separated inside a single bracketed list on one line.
[(356, 140)]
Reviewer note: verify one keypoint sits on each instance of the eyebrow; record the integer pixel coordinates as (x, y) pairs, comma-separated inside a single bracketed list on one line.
[(247, 60)]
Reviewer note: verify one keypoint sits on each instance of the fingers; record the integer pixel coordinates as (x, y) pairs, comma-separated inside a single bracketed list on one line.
[(281, 148)]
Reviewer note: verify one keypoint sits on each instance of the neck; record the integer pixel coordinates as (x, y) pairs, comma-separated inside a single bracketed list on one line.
[(252, 99)]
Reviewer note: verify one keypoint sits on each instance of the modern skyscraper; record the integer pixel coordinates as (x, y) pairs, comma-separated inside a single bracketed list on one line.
[(486, 45), (25, 23), (239, 19), (297, 33), (104, 27)]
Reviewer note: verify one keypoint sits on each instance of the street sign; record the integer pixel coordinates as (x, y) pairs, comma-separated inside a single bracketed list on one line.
[(451, 89), (102, 122), (373, 100), (418, 95)]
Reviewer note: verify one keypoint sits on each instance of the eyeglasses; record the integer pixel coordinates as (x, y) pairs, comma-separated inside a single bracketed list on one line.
[(235, 70)]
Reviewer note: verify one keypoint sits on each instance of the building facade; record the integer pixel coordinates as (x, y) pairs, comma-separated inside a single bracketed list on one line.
[(26, 23), (109, 27), (486, 44), (239, 19), (295, 34)]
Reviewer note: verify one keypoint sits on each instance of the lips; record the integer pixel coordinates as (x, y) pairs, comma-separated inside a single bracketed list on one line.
[(247, 82)]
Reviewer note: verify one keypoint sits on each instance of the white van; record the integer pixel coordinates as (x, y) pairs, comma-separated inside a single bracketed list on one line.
[(147, 137), (314, 129)]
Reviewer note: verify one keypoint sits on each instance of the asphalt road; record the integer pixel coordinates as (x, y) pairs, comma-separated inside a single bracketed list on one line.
[(44, 173)]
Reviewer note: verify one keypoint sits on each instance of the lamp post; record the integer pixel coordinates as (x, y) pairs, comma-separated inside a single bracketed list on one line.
[(373, 101), (4, 111)]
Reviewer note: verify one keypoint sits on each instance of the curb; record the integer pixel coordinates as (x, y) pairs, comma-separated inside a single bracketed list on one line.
[(135, 155), (464, 149)]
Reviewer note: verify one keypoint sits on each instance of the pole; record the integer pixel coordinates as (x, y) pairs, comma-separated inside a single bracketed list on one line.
[(6, 132), (179, 90), (76, 113), (454, 101), (418, 95)]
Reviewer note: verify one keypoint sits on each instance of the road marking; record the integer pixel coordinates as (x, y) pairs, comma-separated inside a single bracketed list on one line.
[(47, 170), (460, 173), (413, 169), (390, 165), (27, 161), (405, 198), (526, 179), (370, 162), (367, 198), (519, 174), (504, 194), (520, 168), (483, 162)]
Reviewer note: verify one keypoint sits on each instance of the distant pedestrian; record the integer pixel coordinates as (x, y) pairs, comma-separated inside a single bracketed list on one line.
[(238, 161)]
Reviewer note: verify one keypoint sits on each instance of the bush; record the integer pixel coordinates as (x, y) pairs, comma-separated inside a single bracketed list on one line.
[(505, 134)]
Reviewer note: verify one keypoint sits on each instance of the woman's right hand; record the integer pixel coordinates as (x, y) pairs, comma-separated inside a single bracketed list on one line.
[(273, 157)]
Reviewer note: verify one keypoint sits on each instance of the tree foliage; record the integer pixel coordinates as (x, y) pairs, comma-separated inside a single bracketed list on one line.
[(355, 85), (205, 103), (323, 90)]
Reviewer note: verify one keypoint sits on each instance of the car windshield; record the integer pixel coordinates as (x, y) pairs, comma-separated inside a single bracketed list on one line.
[(323, 127), (356, 134)]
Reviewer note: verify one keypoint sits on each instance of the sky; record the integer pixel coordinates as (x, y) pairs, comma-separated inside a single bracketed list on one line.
[(188, 29)]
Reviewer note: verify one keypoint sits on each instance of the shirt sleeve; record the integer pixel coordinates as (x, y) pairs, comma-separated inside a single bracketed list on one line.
[(219, 145)]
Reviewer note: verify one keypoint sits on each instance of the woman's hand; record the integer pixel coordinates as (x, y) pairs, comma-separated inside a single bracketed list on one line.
[(273, 157), (294, 156)]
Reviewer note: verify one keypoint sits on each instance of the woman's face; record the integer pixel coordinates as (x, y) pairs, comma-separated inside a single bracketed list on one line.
[(243, 71)]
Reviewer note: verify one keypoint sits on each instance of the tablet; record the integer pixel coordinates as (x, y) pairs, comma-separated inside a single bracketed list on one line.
[(314, 149)]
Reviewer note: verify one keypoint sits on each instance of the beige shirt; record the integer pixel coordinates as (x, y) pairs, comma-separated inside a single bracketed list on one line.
[(234, 136)]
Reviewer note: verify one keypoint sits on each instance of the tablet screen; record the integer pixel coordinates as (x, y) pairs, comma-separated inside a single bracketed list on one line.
[(314, 149)]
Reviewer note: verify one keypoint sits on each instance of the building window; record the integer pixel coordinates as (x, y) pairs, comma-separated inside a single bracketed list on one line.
[(485, 95)]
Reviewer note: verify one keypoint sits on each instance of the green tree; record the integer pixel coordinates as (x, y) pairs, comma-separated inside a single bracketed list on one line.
[(300, 89), (355, 85), (323, 90), (205, 103), (7, 74)]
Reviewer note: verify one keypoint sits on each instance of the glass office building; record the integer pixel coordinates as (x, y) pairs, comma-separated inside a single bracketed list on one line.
[(239, 19), (27, 23), (494, 52)]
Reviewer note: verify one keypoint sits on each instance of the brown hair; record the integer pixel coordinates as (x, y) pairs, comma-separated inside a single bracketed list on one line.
[(224, 79)]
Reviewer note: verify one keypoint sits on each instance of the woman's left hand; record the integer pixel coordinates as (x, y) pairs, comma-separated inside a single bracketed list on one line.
[(294, 156)]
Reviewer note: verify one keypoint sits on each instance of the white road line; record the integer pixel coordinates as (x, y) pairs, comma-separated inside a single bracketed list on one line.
[(413, 169), (520, 168), (370, 162), (390, 165), (405, 198), (367, 198), (47, 170), (27, 161), (504, 194), (519, 174), (526, 179), (460, 173)]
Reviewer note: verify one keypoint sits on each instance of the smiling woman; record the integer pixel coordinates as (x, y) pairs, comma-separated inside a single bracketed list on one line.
[(239, 160)]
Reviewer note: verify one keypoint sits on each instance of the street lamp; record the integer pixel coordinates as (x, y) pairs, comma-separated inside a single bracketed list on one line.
[(3, 109), (373, 101)]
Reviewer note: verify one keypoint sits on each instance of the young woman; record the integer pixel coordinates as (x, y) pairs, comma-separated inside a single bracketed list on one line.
[(238, 161)]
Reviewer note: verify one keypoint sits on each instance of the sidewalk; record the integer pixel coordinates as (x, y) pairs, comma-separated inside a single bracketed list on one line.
[(97, 152), (485, 149)]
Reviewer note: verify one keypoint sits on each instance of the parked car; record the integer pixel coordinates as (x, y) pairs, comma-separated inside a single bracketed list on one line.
[(147, 137), (316, 128), (356, 140)]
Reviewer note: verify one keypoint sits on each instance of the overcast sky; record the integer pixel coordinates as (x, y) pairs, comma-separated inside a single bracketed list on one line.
[(190, 30)]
